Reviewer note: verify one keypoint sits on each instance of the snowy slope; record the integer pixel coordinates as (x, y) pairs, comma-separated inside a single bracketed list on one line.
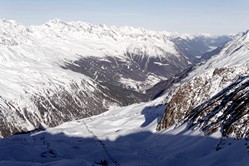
[(122, 136), (214, 96)]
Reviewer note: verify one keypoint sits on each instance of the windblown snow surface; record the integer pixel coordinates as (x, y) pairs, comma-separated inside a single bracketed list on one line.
[(122, 136)]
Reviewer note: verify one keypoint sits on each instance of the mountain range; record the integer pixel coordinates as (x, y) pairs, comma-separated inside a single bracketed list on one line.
[(60, 71), (72, 93)]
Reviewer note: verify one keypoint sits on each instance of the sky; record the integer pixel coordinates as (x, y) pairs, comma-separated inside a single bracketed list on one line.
[(184, 16)]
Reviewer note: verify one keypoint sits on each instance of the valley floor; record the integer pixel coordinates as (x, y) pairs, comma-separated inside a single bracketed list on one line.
[(122, 136)]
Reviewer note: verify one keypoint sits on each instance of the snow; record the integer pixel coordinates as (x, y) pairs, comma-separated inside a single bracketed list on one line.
[(125, 136), (160, 64), (141, 86), (30, 60), (30, 57), (101, 40)]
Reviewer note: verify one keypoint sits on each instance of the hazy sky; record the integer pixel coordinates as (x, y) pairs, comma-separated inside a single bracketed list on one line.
[(190, 16)]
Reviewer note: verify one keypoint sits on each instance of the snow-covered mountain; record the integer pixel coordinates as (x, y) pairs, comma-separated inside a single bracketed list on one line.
[(51, 74), (133, 58), (142, 58), (214, 96), (62, 71)]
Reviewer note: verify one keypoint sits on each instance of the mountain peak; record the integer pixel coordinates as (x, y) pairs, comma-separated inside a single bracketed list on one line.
[(55, 22), (246, 35), (4, 22)]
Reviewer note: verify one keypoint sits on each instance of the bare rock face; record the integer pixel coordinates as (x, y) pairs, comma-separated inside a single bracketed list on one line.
[(194, 103), (228, 111)]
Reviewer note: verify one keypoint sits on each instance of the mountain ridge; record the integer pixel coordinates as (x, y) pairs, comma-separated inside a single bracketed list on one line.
[(214, 96)]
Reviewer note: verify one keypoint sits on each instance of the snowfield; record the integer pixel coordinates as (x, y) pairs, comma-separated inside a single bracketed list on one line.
[(122, 136)]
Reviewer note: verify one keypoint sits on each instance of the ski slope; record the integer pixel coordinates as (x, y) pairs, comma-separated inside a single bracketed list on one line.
[(122, 136)]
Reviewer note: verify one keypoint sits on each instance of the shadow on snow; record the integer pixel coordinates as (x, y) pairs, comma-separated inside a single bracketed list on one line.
[(143, 148)]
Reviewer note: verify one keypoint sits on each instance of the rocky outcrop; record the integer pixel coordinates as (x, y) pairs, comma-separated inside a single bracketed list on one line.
[(226, 112)]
